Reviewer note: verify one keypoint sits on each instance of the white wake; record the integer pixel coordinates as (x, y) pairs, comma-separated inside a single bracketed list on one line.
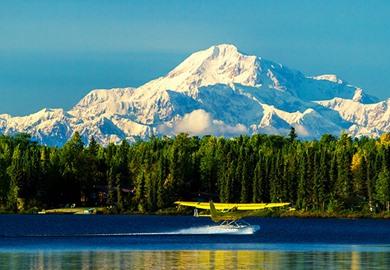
[(219, 230), (187, 231)]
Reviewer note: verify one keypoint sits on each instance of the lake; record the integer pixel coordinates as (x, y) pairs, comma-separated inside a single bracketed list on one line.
[(186, 242)]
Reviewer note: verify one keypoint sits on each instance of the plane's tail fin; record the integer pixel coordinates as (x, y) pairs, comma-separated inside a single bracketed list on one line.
[(213, 210)]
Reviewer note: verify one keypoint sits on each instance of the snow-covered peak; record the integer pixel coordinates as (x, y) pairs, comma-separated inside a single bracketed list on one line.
[(362, 97), (218, 91), (5, 116), (358, 97), (102, 95), (46, 113), (222, 64), (328, 77), (103, 101), (361, 114), (223, 50)]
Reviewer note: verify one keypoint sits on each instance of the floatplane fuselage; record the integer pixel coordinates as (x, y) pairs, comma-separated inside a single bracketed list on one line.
[(230, 214)]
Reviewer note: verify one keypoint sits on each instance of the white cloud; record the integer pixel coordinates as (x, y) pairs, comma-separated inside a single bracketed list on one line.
[(200, 122), (195, 123), (224, 129), (301, 131)]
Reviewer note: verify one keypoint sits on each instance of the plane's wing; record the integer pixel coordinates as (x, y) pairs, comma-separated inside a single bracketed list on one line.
[(199, 205), (228, 206)]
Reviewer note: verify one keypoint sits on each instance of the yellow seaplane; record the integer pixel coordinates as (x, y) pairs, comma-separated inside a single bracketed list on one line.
[(230, 214)]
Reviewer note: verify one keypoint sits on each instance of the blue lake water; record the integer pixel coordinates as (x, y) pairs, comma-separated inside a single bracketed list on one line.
[(185, 242)]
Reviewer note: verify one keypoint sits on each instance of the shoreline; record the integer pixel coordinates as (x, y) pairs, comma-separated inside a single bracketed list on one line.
[(174, 212)]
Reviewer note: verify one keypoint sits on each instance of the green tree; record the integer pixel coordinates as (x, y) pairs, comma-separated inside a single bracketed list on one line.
[(382, 187), (5, 161), (73, 169), (161, 178), (292, 135), (209, 164), (93, 147), (260, 185), (16, 174), (303, 195)]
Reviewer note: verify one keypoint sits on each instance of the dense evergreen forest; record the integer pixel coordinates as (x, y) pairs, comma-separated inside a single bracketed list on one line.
[(329, 175)]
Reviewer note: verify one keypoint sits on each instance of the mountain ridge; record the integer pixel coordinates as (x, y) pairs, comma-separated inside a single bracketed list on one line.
[(218, 91)]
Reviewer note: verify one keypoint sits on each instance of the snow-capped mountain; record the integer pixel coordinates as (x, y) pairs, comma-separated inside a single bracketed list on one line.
[(218, 91)]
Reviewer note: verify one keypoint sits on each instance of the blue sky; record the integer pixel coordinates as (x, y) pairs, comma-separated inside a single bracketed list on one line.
[(52, 53)]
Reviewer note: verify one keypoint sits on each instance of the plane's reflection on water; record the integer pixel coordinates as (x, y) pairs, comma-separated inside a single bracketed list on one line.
[(199, 259)]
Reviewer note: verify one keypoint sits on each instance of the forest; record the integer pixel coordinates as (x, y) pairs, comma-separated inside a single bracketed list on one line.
[(329, 175)]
